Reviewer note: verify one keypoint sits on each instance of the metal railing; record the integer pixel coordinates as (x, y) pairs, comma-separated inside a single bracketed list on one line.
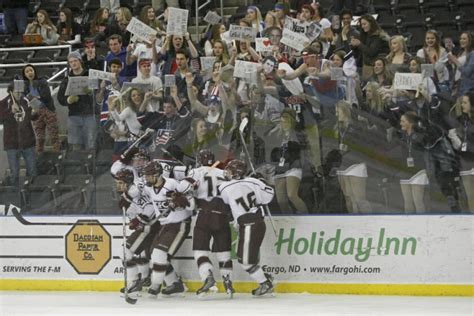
[(202, 6), (39, 64)]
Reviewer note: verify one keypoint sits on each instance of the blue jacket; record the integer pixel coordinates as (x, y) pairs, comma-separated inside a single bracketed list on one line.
[(467, 75)]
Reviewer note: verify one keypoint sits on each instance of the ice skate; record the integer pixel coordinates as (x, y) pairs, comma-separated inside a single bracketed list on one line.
[(153, 291), (146, 282), (265, 288), (209, 286), (228, 286), (135, 287), (176, 289)]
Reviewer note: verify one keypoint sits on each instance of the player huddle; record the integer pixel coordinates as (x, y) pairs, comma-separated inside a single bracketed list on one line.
[(160, 197)]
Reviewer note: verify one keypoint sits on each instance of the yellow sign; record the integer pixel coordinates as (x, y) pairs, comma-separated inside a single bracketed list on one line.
[(88, 247)]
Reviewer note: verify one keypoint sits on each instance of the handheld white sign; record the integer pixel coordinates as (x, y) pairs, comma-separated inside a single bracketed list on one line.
[(177, 21), (263, 44), (140, 30), (77, 86), (212, 18), (407, 81), (241, 33)]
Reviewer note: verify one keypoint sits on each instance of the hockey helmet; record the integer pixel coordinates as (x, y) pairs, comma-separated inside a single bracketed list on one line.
[(205, 157), (125, 175), (153, 168), (140, 159), (235, 169)]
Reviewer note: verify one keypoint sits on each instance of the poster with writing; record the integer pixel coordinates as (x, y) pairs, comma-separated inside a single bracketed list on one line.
[(241, 33), (170, 80), (127, 86), (407, 81), (77, 86), (177, 21), (212, 17), (140, 30), (246, 70), (102, 75), (294, 40), (207, 63), (263, 44), (310, 30), (313, 30)]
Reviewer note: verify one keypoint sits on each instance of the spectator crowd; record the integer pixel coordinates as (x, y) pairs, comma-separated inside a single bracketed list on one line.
[(335, 113)]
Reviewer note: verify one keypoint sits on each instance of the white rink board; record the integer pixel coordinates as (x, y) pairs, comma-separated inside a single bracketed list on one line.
[(432, 250)]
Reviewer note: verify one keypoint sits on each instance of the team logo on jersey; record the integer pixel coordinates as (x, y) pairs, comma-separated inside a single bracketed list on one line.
[(142, 202), (163, 206)]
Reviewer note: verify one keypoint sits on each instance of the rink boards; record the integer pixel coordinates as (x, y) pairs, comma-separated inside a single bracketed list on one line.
[(390, 255)]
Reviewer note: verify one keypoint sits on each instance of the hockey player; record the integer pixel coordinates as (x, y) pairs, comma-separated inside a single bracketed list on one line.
[(134, 159), (172, 163), (173, 206), (144, 225), (247, 198), (212, 221)]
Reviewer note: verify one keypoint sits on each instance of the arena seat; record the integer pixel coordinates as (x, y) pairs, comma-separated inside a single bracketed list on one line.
[(105, 198), (47, 163), (46, 71), (416, 38), (9, 74), (3, 39), (381, 6), (77, 162), (14, 41), (76, 6), (51, 6), (9, 194), (18, 57), (38, 194), (75, 194), (103, 161), (45, 55)]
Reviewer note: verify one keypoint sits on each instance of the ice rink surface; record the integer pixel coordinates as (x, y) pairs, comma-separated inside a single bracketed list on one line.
[(105, 304)]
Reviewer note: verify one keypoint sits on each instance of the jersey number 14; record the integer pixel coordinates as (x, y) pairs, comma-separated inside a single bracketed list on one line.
[(251, 201)]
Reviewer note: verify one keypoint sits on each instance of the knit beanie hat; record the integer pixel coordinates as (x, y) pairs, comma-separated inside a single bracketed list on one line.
[(74, 54)]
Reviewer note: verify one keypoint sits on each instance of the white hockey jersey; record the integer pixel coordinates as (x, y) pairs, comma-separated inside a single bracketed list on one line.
[(137, 179), (245, 195), (140, 203), (159, 198), (207, 180), (173, 169)]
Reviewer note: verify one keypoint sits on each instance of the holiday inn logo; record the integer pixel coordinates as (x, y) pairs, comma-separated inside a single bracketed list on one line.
[(362, 248)]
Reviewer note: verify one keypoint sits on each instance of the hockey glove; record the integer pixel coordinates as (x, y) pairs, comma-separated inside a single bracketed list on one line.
[(125, 201), (128, 154), (178, 199), (136, 224)]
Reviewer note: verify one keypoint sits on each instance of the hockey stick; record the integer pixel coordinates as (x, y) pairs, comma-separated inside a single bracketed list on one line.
[(242, 126), (166, 152), (137, 141), (22, 220), (214, 165), (270, 218), (128, 299)]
